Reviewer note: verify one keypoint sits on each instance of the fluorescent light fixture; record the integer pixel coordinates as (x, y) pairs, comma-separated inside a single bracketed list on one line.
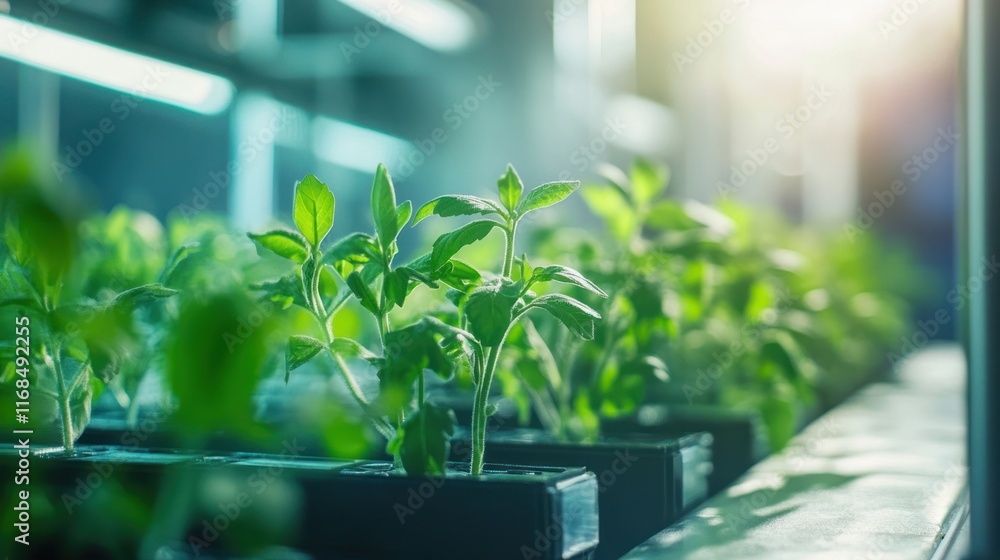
[(439, 24), (355, 147), (113, 68)]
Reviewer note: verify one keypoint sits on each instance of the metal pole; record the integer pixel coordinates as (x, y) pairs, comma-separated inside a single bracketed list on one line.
[(981, 232)]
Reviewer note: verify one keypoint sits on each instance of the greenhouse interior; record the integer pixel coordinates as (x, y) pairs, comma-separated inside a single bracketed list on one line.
[(339, 279)]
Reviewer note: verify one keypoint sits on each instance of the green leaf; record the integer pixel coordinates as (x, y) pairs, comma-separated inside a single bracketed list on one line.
[(546, 195), (648, 181), (489, 310), (403, 212), (448, 244), (284, 291), (408, 352), (414, 275), (178, 258), (313, 209), (384, 210), (363, 292), (566, 275), (284, 243), (300, 350), (350, 348), (457, 205), (215, 356), (356, 248), (669, 215), (426, 440), (579, 318), (395, 286), (510, 188), (130, 299)]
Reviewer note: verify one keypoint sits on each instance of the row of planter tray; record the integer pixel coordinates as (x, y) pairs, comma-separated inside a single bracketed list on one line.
[(541, 498)]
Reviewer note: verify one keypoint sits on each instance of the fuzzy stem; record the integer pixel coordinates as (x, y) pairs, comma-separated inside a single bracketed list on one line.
[(508, 258), (479, 411)]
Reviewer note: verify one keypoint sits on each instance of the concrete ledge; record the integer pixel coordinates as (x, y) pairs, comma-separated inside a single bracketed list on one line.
[(873, 479)]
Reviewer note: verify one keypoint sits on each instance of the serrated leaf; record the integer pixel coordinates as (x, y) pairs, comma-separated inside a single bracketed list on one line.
[(510, 188), (284, 243), (384, 211), (448, 244), (578, 317), (300, 350), (313, 209), (426, 441), (566, 275), (457, 205), (140, 295), (546, 195)]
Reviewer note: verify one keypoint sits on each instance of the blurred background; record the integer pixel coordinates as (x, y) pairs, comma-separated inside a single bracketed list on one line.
[(838, 113)]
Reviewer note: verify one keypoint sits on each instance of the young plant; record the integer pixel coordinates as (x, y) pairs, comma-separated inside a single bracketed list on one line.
[(718, 298), (69, 337), (488, 312), (608, 377), (119, 251), (419, 438)]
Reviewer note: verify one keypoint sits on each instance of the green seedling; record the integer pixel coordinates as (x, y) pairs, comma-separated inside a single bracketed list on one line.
[(488, 312)]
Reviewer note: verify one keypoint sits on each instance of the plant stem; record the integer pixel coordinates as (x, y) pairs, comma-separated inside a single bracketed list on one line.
[(479, 411), (381, 425), (508, 258), (64, 408), (319, 312)]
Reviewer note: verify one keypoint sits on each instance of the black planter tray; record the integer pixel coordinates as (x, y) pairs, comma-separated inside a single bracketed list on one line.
[(645, 482), (738, 437), (342, 509)]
